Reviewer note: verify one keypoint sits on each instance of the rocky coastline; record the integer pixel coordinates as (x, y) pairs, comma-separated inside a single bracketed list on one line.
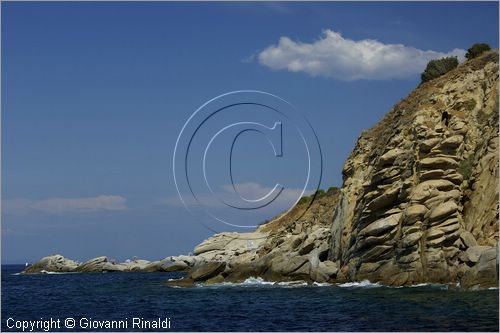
[(418, 204)]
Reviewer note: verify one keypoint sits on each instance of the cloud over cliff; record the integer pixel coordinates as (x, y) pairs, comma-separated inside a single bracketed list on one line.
[(334, 56)]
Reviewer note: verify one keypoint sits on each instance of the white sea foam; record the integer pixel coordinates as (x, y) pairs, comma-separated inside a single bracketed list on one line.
[(256, 281), (50, 272), (323, 284), (292, 284), (361, 284), (432, 285)]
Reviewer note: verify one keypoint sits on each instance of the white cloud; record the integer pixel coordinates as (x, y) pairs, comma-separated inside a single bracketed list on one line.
[(65, 205), (341, 58)]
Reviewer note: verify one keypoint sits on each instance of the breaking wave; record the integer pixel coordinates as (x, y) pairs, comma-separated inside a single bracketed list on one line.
[(260, 282), (361, 284)]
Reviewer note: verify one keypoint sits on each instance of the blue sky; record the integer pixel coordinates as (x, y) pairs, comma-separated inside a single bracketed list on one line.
[(94, 96)]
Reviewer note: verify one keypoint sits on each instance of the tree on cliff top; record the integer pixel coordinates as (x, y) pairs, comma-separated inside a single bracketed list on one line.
[(476, 49), (438, 67)]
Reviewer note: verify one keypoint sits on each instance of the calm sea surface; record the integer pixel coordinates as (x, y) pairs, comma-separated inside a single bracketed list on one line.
[(254, 305)]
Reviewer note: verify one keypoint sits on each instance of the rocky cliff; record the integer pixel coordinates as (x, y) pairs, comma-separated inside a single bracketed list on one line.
[(419, 201)]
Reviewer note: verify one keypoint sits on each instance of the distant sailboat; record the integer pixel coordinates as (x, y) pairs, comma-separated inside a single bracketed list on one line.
[(27, 265)]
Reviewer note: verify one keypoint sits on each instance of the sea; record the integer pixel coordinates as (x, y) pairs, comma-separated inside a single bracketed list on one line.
[(144, 302)]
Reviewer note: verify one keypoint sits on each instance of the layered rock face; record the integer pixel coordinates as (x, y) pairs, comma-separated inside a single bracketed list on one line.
[(419, 201), (420, 196)]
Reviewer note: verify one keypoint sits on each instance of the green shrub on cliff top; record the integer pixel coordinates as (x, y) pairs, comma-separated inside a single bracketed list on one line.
[(476, 49), (438, 67)]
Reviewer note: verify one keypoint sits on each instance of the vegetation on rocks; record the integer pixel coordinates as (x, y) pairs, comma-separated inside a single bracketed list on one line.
[(476, 50), (438, 67)]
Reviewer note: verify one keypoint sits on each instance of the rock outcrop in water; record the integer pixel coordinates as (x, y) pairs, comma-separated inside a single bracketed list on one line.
[(419, 201), (58, 263)]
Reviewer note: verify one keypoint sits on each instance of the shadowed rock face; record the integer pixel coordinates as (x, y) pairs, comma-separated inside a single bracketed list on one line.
[(419, 201)]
